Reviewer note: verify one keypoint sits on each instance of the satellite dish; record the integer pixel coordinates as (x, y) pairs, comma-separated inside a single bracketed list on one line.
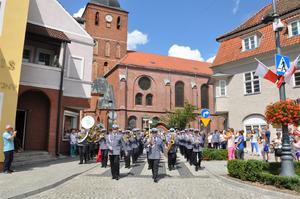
[(87, 122)]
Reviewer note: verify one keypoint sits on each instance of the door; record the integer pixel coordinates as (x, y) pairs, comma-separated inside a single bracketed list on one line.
[(21, 129)]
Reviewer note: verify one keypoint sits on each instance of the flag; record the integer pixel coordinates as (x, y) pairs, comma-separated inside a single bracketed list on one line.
[(289, 73), (264, 72)]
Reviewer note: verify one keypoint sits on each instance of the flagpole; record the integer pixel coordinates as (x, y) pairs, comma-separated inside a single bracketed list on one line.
[(287, 164)]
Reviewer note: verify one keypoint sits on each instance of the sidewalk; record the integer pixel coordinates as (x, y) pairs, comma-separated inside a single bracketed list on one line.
[(41, 177)]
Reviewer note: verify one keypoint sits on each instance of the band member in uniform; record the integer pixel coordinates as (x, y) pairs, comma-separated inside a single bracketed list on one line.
[(134, 145), (156, 146), (197, 143), (171, 149), (115, 142), (189, 146), (104, 148), (128, 148), (82, 148), (145, 141)]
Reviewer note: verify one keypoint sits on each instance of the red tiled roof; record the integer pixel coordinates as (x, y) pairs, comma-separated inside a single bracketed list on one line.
[(149, 60), (283, 7), (47, 32), (231, 44)]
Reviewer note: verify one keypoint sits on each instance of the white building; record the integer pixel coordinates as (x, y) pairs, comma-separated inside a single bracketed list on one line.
[(54, 40), (240, 96)]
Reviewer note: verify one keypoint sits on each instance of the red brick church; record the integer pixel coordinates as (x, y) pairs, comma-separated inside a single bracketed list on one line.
[(133, 87)]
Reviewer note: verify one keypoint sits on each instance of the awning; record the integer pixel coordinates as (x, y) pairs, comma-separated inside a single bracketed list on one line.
[(47, 32)]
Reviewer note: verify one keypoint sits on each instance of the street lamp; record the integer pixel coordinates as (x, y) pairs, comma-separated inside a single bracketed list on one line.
[(287, 164), (149, 121)]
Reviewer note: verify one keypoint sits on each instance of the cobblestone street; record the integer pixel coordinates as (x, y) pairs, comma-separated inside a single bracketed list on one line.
[(92, 181)]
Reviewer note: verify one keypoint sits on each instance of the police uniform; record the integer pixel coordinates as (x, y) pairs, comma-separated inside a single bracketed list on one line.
[(134, 145), (189, 147), (156, 146), (127, 148), (83, 151), (172, 150), (197, 143), (115, 142), (104, 150)]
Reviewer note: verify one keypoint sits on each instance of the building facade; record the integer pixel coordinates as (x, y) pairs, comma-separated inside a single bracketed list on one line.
[(148, 86), (55, 78), (12, 34), (117, 73), (240, 96)]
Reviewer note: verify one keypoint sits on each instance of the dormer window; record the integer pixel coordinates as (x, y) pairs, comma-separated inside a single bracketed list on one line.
[(250, 43), (294, 28)]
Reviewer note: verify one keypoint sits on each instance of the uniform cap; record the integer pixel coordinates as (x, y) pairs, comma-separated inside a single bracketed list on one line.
[(114, 126), (154, 130)]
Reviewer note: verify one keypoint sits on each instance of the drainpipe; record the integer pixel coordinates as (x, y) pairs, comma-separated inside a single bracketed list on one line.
[(60, 96), (126, 98)]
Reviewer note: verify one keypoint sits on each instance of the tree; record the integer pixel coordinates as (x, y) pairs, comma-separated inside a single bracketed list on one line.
[(181, 117)]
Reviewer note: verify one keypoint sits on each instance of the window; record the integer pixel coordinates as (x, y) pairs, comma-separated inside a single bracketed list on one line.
[(250, 43), (132, 122), (75, 68), (144, 83), (107, 49), (97, 19), (179, 94), (254, 122), (252, 83), (221, 89), (139, 99), (118, 23), (118, 51), (26, 55), (96, 47), (2, 7), (70, 122), (204, 96), (297, 78), (44, 59), (149, 99), (294, 28)]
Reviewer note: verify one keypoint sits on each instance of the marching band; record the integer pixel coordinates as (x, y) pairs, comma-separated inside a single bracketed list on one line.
[(129, 145)]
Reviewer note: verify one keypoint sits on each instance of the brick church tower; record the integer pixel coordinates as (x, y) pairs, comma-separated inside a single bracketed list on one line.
[(107, 23)]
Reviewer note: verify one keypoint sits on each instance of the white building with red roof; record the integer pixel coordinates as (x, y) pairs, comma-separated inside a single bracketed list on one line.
[(240, 96)]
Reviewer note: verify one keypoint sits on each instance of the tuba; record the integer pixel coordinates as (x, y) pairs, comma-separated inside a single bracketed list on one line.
[(92, 133)]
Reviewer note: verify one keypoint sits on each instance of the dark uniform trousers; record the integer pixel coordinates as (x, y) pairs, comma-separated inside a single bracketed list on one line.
[(171, 159), (115, 165), (9, 156), (104, 157), (135, 154), (189, 155), (83, 153), (149, 165), (127, 158), (154, 164), (197, 158)]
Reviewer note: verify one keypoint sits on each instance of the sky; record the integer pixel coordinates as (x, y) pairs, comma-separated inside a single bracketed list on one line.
[(180, 28)]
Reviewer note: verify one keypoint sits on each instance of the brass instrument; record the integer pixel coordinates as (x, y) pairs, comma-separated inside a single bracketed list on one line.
[(93, 132), (172, 142)]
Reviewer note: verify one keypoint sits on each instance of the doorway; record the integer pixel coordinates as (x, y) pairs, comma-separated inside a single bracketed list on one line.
[(21, 129)]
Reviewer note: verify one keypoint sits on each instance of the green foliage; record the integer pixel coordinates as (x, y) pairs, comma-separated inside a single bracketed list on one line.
[(266, 173), (214, 154), (181, 117)]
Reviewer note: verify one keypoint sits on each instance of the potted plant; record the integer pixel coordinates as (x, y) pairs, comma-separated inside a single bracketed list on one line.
[(283, 112)]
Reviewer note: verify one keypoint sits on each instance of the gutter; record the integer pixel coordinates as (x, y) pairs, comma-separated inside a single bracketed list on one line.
[(60, 96)]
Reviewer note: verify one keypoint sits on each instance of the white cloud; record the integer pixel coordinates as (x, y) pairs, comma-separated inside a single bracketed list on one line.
[(236, 6), (79, 12), (185, 52), (211, 60), (135, 39)]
